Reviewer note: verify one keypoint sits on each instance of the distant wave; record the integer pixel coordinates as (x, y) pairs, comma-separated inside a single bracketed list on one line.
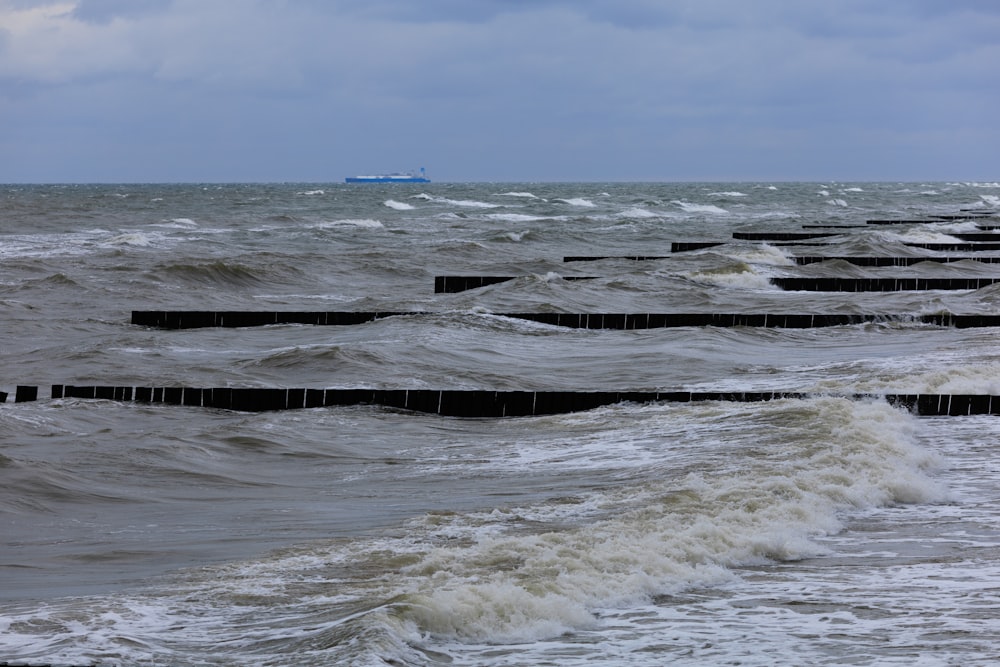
[(312, 192), (526, 195), (518, 217), (351, 222), (577, 201), (398, 205), (636, 212), (458, 202), (175, 223), (727, 194), (700, 208), (131, 238)]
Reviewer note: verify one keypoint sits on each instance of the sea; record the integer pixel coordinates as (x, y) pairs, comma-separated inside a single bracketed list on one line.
[(824, 529)]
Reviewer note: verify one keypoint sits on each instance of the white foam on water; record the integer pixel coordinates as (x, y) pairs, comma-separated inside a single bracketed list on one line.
[(739, 275), (636, 212), (918, 234), (518, 217), (398, 205), (516, 237), (663, 538), (578, 201), (130, 238), (350, 222), (706, 489), (760, 254), (728, 194), (525, 195), (700, 208), (466, 203), (312, 192)]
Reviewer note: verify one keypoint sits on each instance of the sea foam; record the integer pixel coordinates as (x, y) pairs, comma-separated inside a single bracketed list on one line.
[(663, 537), (700, 208)]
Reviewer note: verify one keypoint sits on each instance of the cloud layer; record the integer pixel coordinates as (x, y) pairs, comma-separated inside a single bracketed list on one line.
[(231, 90)]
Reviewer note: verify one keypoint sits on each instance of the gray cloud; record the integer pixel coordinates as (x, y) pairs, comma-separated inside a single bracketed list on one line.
[(495, 89)]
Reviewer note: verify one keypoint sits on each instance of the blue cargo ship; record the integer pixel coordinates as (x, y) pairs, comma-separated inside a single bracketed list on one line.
[(390, 178)]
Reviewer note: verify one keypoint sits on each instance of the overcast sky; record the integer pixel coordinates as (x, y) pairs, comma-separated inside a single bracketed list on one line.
[(499, 90)]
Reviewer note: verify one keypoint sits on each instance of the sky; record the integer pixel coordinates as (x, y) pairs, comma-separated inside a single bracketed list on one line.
[(499, 90)]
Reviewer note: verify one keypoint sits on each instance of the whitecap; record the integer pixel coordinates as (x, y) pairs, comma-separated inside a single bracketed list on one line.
[(636, 212), (460, 202), (131, 238), (760, 254), (727, 194), (526, 195), (700, 208), (175, 223), (738, 276), (398, 205), (515, 217), (351, 222), (312, 192), (837, 202), (577, 201)]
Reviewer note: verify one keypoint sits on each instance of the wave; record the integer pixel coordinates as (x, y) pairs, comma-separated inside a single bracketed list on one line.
[(398, 205), (578, 201), (526, 195), (663, 538), (176, 223), (350, 222), (738, 275), (468, 203), (518, 217), (226, 272), (782, 475), (131, 238), (636, 212), (700, 208)]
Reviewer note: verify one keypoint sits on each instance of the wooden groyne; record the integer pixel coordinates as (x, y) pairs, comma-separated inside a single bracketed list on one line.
[(881, 284), (164, 319), (453, 284), (857, 260), (892, 261), (490, 404)]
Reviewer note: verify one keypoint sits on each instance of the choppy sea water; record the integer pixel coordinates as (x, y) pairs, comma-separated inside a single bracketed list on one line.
[(814, 531)]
